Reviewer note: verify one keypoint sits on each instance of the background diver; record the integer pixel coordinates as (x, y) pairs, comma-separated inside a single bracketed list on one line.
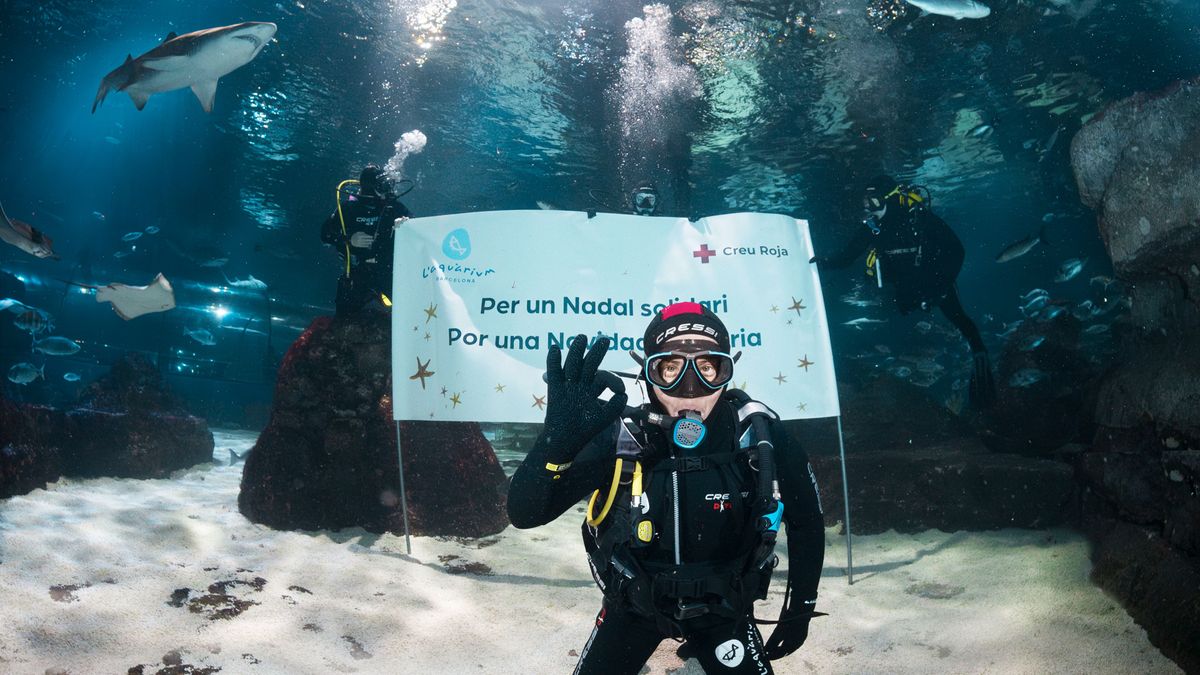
[(680, 530), (916, 253), (361, 229)]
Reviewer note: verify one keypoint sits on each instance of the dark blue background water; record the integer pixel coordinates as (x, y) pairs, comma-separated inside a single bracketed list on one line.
[(784, 106)]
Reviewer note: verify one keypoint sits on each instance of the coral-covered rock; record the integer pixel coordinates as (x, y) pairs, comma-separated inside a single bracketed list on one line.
[(40, 444), (947, 487), (133, 385), (328, 457)]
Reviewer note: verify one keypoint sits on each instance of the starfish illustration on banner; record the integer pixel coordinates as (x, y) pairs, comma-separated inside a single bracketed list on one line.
[(456, 399), (430, 313), (781, 378), (804, 363), (499, 388), (539, 402), (797, 305), (422, 372)]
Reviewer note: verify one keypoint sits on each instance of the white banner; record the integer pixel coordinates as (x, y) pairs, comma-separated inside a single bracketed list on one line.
[(480, 297)]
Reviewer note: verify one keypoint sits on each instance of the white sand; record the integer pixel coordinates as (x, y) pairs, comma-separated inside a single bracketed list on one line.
[(1020, 600)]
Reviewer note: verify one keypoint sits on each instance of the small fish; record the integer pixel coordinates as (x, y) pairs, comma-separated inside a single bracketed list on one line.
[(1102, 281), (71, 377), (1035, 305), (980, 131), (1050, 143), (121, 254), (883, 349), (1029, 143), (249, 283), (1070, 269), (901, 372), (201, 335), (99, 216), (1048, 217), (1034, 293), (1032, 342), (234, 458), (34, 321), (132, 236), (924, 327), (1051, 313), (547, 206), (111, 140), (152, 229), (212, 262), (863, 321), (1021, 247), (1010, 328), (24, 373), (1095, 329), (56, 346), (1026, 377), (1084, 310)]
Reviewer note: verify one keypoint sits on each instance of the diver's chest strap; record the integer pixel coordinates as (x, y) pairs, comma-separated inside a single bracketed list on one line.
[(703, 463)]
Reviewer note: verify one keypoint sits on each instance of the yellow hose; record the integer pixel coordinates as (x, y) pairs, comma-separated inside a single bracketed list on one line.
[(612, 494), (342, 219)]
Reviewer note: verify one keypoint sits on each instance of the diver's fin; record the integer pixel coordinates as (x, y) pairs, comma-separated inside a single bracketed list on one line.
[(166, 63), (205, 91), (139, 99), (170, 36)]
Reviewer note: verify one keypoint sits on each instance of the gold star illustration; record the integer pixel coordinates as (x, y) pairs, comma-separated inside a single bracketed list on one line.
[(456, 398), (781, 378), (444, 390), (774, 308), (804, 363), (797, 305), (500, 388), (430, 313), (801, 407), (539, 402), (421, 373)]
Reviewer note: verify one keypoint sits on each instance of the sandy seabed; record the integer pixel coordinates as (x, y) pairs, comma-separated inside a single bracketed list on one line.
[(101, 576)]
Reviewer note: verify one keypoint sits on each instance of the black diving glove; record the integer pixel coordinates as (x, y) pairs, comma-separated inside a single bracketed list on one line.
[(983, 388), (819, 261), (789, 634), (574, 414)]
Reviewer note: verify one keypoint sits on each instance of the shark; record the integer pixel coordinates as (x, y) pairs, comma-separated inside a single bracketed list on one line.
[(25, 237), (195, 60), (955, 9)]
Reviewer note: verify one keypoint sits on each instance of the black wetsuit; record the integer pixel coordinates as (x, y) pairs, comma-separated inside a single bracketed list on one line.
[(717, 525), (370, 268), (920, 257)]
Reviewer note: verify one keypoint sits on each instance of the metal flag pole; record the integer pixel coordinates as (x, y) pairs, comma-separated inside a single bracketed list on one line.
[(404, 497), (846, 499)]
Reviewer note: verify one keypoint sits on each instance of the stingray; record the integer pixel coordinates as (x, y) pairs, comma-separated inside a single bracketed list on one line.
[(25, 237), (130, 302)]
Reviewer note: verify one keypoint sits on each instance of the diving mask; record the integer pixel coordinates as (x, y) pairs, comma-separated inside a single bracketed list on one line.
[(645, 200), (690, 370)]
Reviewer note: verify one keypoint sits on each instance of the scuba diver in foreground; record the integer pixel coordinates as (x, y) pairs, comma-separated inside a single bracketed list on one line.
[(687, 497), (361, 229), (916, 252)]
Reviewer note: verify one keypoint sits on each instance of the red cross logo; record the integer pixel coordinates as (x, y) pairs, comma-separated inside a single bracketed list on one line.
[(703, 253)]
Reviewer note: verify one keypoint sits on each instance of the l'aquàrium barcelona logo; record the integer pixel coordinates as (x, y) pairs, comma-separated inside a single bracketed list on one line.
[(704, 253), (457, 244), (457, 247)]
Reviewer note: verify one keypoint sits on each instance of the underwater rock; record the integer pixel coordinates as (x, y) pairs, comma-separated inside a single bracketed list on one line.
[(1136, 165), (40, 444), (1158, 586), (1038, 414), (328, 457), (949, 487), (132, 385)]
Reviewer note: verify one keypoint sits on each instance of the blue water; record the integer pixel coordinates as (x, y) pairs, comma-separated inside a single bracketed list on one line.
[(726, 106)]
